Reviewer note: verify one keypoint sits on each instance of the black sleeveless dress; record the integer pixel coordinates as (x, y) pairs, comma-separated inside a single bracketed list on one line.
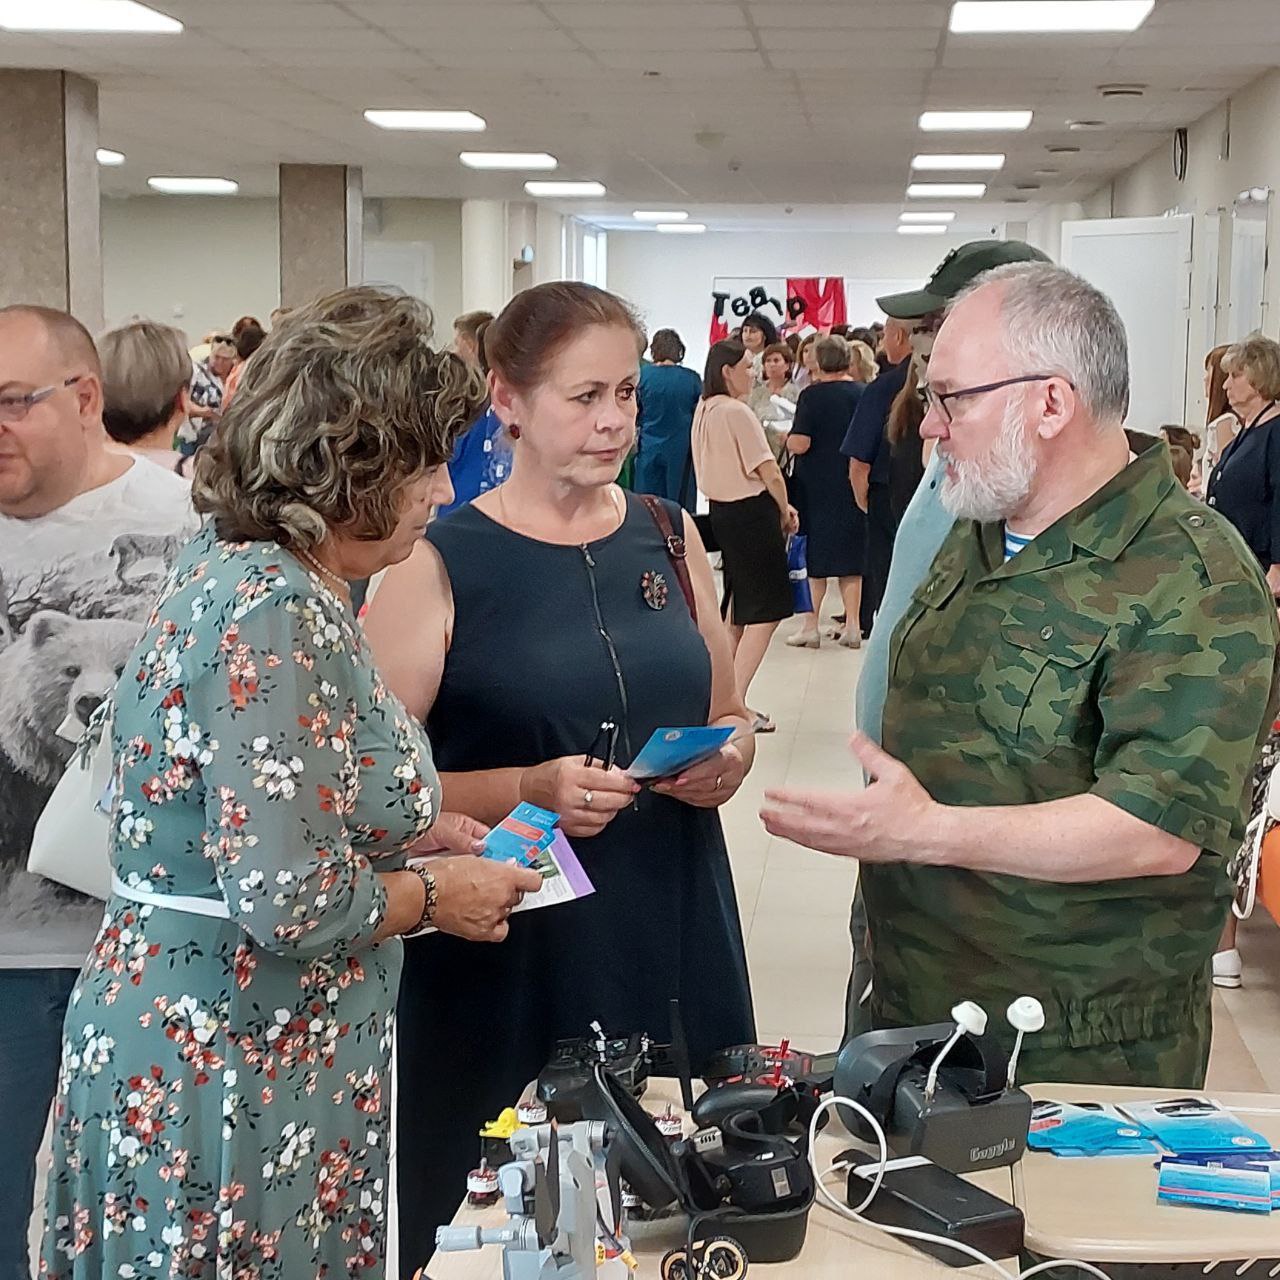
[(548, 642)]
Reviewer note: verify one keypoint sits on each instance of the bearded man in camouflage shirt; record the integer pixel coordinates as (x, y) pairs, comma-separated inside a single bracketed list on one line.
[(1077, 694)]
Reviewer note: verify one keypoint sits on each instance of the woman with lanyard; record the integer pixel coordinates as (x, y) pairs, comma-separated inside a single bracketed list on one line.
[(548, 606), (1245, 487)]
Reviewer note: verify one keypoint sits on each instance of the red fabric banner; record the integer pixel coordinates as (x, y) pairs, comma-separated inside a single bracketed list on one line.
[(815, 302)]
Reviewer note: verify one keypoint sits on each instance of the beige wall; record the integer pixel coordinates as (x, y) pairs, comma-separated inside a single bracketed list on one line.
[(196, 262), (200, 263)]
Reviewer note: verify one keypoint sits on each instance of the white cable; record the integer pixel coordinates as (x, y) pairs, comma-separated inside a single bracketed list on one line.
[(971, 1020), (931, 1081), (902, 1233), (1087, 1267)]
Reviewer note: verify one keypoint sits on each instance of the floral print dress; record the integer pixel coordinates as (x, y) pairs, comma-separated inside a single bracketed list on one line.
[(224, 1102)]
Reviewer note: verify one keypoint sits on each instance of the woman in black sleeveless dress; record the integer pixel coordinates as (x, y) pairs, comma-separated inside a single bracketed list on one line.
[(545, 608)]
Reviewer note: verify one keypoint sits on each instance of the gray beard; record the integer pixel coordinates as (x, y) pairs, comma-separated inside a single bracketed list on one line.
[(992, 488)]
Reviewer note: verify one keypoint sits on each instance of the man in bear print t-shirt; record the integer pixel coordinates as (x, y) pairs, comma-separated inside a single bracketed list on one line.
[(86, 537)]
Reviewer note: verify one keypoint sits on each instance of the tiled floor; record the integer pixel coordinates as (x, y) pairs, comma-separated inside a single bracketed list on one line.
[(795, 904)]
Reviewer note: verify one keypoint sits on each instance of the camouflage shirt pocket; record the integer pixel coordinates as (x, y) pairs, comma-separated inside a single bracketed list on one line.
[(1034, 684)]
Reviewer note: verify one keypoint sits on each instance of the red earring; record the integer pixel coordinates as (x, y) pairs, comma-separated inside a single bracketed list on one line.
[(514, 431)]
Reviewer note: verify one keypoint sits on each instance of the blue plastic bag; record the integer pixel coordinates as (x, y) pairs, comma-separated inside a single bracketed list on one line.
[(798, 571)]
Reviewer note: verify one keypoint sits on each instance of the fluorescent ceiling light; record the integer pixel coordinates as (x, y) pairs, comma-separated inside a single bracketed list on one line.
[(654, 215), (508, 160), (194, 186), (994, 16), (681, 228), (975, 121), (565, 189), (92, 16), (959, 163), (947, 190), (908, 230), (941, 215), (106, 157), (428, 121)]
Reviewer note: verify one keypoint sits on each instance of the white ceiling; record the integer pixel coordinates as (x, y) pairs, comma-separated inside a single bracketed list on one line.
[(809, 103)]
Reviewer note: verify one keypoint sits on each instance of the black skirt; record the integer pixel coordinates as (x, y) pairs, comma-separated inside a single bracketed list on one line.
[(757, 586)]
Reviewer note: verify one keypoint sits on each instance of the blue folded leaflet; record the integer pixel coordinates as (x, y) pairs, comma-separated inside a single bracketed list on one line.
[(1191, 1126), (1242, 1183), (523, 834), (1086, 1129), (671, 751)]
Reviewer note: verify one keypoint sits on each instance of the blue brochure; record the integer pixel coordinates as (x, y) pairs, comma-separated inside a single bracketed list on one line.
[(522, 835), (1192, 1125), (672, 751), (1223, 1181), (1086, 1129)]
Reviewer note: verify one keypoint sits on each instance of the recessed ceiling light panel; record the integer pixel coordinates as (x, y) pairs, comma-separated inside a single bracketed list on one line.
[(975, 121), (565, 190), (1060, 17), (515, 160), (194, 186), (680, 228), (428, 121), (909, 229), (939, 215), (665, 215), (89, 16), (109, 159), (958, 163), (947, 190)]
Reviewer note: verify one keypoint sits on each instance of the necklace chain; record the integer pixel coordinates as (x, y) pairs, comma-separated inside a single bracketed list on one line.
[(327, 575)]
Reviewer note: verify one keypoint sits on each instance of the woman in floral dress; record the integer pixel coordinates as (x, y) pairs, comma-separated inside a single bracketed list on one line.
[(224, 1104)]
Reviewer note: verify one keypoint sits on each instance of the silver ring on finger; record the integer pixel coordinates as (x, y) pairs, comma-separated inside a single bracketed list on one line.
[(719, 781), (588, 798)]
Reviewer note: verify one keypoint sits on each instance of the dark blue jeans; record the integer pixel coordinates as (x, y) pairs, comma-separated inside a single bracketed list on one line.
[(33, 1003)]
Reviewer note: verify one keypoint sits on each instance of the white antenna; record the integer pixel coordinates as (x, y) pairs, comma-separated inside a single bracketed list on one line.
[(1026, 1013), (971, 1020)]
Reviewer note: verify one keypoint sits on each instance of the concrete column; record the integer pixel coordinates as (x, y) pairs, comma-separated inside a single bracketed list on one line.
[(321, 230), (548, 262), (49, 193), (486, 259)]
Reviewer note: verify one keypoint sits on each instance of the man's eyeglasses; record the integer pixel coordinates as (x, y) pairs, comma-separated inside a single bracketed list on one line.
[(940, 401), (15, 408)]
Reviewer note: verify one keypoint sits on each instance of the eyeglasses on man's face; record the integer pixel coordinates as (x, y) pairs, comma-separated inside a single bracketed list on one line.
[(939, 402), (14, 408)]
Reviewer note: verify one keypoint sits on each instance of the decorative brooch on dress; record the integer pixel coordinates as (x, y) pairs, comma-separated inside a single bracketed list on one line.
[(653, 586)]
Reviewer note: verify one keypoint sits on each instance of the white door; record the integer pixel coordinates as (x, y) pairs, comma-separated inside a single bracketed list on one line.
[(400, 264), (1248, 271), (1144, 266)]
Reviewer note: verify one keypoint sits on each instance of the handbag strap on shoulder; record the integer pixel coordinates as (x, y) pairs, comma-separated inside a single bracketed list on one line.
[(677, 552)]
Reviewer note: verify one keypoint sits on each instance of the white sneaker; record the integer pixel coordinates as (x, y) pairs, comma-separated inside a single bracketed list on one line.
[(1228, 971)]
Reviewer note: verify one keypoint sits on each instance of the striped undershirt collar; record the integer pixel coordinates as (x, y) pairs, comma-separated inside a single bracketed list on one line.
[(1013, 543)]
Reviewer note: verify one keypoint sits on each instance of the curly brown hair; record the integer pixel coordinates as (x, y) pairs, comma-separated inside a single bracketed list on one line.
[(338, 410)]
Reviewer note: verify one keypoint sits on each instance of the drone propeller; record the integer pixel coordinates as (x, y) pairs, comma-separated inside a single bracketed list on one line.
[(546, 1192)]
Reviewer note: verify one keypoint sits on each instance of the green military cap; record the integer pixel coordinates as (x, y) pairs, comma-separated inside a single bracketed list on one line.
[(959, 269)]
